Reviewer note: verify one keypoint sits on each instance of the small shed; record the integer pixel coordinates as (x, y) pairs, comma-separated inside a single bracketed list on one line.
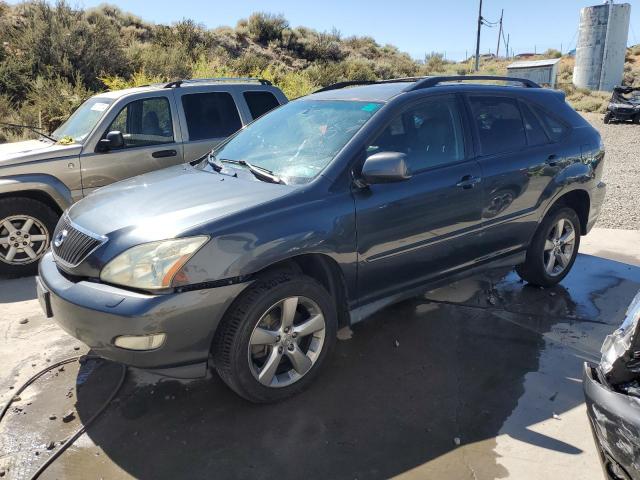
[(541, 71)]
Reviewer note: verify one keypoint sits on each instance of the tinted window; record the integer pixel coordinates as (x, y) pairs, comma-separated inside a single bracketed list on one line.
[(554, 128), (532, 126), (144, 122), (430, 134), (210, 115), (499, 124), (260, 103)]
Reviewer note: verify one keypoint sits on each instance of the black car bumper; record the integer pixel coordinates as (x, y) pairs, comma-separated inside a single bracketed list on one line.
[(97, 314), (615, 423)]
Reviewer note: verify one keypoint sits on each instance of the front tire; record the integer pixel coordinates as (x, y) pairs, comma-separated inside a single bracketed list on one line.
[(275, 337), (553, 250), (607, 117), (26, 226)]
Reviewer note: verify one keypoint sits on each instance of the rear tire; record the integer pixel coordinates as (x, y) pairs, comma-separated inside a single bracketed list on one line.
[(553, 249), (269, 346), (26, 227)]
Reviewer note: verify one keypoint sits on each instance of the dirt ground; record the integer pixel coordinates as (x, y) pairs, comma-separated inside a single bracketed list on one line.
[(474, 381), (621, 207)]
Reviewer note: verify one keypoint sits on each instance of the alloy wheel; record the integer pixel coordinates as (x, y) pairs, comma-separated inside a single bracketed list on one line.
[(286, 342), (23, 239), (558, 247)]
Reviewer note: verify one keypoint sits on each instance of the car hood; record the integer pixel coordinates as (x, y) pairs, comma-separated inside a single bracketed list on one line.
[(32, 150), (164, 203)]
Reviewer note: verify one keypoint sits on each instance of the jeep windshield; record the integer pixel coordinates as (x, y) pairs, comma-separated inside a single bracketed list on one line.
[(82, 121), (296, 141)]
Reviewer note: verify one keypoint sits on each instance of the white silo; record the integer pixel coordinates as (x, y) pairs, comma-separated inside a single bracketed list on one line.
[(602, 44)]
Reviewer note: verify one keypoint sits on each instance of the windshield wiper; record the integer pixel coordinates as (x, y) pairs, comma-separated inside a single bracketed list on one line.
[(213, 161), (259, 172), (28, 127)]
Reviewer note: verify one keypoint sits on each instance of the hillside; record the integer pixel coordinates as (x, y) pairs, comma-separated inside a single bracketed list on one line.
[(52, 57)]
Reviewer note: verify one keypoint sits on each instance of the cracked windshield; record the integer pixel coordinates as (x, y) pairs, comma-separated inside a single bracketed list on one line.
[(299, 139)]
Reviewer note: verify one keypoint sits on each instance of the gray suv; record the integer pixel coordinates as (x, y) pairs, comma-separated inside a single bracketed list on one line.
[(110, 137), (317, 215)]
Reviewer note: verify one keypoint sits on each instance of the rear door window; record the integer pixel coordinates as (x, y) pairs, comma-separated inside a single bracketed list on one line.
[(553, 127), (144, 122), (260, 103), (533, 128), (499, 124), (210, 115)]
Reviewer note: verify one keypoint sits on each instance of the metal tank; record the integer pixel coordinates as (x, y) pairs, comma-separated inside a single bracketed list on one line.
[(602, 44)]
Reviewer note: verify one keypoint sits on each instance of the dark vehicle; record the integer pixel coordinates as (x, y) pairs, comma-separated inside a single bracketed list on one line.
[(318, 214), (624, 105), (612, 391)]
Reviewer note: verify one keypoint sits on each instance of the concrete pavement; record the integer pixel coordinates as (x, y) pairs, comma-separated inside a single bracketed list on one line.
[(477, 380)]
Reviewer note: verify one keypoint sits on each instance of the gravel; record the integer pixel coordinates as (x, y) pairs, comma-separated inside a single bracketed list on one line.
[(621, 207)]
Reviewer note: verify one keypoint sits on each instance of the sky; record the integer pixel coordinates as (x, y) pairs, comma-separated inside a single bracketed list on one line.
[(414, 26)]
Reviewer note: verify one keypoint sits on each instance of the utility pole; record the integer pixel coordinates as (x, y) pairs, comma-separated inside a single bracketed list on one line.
[(499, 34), (478, 38), (507, 47)]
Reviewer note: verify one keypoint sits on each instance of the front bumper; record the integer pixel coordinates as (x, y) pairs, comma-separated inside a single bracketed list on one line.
[(615, 424), (96, 314)]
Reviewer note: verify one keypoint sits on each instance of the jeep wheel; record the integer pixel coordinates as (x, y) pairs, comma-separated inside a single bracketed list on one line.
[(26, 226), (553, 249), (275, 337)]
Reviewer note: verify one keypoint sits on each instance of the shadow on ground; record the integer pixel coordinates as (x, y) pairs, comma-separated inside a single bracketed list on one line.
[(411, 380)]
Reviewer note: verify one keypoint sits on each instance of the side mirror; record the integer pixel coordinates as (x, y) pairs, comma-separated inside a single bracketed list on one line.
[(112, 141), (385, 167)]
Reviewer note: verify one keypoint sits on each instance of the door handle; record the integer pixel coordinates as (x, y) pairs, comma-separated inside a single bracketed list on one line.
[(552, 160), (164, 153), (468, 181)]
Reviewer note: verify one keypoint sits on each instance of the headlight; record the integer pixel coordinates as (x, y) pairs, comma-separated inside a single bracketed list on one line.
[(152, 266), (618, 344)]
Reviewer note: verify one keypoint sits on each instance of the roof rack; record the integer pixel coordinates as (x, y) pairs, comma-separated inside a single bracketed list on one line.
[(425, 82), (178, 83)]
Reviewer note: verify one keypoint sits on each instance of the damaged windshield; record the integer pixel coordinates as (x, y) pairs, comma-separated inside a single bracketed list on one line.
[(296, 141), (82, 121)]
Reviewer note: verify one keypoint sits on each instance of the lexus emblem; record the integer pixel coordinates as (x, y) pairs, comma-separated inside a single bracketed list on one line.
[(60, 238)]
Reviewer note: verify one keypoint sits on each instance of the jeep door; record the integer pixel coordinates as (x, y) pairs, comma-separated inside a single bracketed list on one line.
[(425, 227), (208, 118), (152, 140), (519, 160)]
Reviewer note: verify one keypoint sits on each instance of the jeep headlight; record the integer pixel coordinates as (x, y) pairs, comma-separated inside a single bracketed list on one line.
[(619, 342), (153, 266)]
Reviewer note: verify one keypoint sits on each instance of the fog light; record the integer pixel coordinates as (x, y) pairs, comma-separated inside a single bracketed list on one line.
[(140, 342)]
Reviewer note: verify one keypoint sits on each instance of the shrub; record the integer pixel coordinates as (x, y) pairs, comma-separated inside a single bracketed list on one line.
[(263, 27)]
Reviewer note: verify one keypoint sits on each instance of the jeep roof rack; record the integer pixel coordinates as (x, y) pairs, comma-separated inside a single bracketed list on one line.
[(178, 83), (426, 82)]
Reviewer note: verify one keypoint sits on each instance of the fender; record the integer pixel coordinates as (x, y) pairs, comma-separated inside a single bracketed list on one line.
[(577, 176), (40, 182)]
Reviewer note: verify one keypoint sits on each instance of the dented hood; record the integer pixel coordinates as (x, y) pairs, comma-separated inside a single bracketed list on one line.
[(166, 202)]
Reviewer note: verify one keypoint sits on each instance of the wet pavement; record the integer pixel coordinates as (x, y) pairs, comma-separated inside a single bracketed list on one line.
[(480, 379)]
